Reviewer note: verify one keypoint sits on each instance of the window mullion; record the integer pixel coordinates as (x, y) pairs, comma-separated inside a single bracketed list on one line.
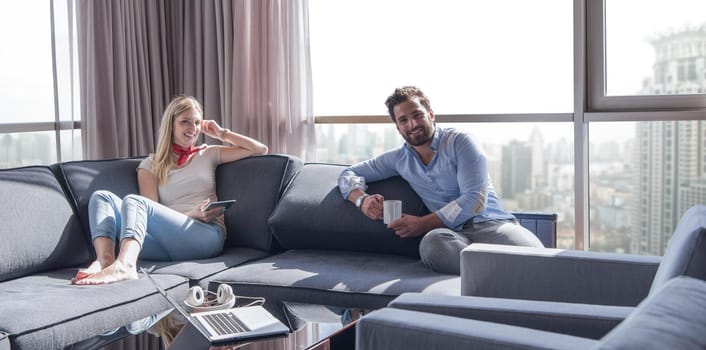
[(55, 84)]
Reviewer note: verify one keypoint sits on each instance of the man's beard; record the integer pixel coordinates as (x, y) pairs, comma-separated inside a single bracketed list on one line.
[(418, 140)]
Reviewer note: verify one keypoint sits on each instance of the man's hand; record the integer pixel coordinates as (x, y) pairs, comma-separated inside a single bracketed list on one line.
[(409, 226), (372, 206)]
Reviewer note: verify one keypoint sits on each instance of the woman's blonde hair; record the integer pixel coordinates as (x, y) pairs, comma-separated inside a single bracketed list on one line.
[(163, 160)]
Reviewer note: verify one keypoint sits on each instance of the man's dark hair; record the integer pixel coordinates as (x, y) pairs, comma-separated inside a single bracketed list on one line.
[(403, 94)]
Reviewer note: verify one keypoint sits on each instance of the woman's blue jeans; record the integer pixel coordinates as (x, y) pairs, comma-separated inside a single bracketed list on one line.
[(163, 233)]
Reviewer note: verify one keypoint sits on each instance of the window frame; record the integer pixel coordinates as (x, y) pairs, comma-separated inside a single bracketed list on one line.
[(599, 102)]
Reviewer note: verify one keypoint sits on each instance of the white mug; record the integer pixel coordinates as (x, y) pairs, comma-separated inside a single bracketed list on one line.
[(391, 210)]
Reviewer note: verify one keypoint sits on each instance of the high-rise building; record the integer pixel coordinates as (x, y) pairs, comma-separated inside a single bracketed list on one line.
[(670, 165), (516, 174), (539, 173)]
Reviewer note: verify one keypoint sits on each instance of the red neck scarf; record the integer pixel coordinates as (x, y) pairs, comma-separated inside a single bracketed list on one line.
[(184, 153)]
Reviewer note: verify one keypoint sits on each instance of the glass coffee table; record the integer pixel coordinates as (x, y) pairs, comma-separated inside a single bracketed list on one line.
[(312, 327)]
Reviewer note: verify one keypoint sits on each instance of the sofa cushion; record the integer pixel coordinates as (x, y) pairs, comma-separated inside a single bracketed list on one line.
[(335, 278), (198, 271), (40, 231), (686, 251), (44, 311), (85, 177), (673, 317), (313, 215), (256, 183)]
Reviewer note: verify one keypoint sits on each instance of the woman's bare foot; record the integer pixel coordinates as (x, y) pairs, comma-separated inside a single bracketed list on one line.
[(95, 267), (117, 271)]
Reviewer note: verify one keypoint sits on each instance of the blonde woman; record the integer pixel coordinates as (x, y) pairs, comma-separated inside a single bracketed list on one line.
[(167, 220)]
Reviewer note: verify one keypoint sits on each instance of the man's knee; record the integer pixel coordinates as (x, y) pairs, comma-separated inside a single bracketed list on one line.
[(520, 236), (437, 237), (440, 250)]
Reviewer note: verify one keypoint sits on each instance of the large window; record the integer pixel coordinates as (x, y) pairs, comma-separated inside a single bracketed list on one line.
[(38, 124), (619, 108)]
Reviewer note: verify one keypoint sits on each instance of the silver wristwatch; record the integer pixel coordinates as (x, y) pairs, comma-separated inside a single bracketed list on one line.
[(359, 200)]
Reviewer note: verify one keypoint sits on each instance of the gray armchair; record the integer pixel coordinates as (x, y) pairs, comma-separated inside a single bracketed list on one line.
[(672, 317)]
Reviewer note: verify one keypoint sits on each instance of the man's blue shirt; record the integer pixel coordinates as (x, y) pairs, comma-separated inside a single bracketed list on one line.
[(455, 184)]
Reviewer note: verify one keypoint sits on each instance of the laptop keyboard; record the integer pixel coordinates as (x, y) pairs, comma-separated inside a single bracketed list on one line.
[(224, 323)]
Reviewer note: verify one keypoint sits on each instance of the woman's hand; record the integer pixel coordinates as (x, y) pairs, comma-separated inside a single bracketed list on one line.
[(211, 129), (200, 214)]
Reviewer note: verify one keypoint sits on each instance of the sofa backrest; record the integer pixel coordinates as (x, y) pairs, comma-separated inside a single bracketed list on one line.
[(85, 177), (256, 183), (686, 251), (312, 214), (543, 225), (40, 231)]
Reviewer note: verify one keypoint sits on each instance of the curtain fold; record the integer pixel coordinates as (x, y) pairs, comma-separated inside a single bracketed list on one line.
[(198, 51), (272, 97), (247, 61), (117, 95)]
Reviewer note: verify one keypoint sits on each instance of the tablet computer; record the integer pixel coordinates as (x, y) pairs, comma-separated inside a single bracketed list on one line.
[(223, 204)]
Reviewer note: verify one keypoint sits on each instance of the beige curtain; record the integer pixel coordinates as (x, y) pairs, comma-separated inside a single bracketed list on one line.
[(247, 61), (272, 97), (123, 87)]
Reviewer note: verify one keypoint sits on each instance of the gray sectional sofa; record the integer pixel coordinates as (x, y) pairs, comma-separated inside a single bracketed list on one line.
[(291, 237)]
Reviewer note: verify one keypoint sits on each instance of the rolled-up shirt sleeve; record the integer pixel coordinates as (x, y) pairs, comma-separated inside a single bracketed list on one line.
[(358, 175), (349, 181), (473, 181)]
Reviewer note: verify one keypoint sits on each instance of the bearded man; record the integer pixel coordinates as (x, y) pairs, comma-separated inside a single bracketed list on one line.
[(449, 173)]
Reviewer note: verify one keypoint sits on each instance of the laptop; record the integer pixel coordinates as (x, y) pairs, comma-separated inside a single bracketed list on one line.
[(229, 325)]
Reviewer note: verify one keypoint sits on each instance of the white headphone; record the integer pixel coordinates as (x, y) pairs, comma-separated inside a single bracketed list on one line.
[(225, 298), (197, 297)]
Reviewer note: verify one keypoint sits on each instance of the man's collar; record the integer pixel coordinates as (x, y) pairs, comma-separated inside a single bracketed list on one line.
[(435, 141)]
